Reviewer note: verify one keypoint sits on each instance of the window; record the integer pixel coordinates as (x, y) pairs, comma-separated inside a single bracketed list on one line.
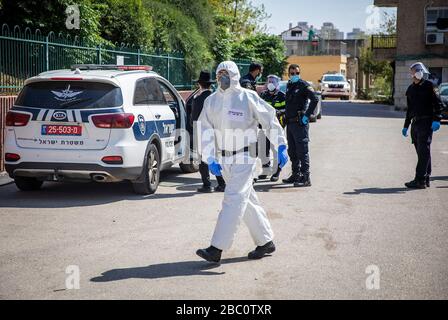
[(167, 94), (296, 33), (334, 78), (147, 91), (70, 95), (437, 19)]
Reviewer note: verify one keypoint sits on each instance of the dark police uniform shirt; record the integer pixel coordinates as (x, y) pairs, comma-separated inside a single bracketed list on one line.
[(423, 102), (248, 82), (297, 95), (277, 100)]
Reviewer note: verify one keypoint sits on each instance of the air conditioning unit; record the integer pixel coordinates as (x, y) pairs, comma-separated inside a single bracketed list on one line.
[(433, 38)]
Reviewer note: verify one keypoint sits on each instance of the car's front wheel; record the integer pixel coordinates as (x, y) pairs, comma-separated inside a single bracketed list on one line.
[(151, 174), (27, 183)]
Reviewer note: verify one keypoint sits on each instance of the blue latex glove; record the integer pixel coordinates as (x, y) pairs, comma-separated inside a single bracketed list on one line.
[(282, 156), (305, 120), (435, 126), (214, 166), (404, 132)]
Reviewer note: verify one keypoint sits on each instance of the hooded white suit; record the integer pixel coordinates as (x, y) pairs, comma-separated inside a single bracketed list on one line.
[(229, 121)]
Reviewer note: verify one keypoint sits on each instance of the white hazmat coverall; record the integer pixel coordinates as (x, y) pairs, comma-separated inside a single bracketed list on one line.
[(229, 121)]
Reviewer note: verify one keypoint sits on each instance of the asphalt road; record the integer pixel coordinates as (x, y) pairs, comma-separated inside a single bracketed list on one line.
[(357, 215)]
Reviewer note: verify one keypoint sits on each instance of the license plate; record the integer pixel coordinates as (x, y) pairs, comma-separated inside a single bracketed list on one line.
[(61, 130)]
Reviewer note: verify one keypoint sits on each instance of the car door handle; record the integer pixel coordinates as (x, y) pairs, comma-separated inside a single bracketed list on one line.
[(157, 116)]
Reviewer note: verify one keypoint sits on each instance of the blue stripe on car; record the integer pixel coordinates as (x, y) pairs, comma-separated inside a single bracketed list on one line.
[(151, 128)]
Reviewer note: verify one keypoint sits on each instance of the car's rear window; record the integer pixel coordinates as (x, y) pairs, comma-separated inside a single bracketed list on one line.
[(70, 95), (334, 78)]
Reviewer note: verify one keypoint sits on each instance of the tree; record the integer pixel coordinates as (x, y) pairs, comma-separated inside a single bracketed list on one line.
[(267, 49), (127, 21)]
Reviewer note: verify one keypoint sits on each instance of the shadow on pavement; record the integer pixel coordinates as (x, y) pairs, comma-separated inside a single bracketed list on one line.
[(380, 191), (166, 270), (347, 109), (440, 178), (66, 195)]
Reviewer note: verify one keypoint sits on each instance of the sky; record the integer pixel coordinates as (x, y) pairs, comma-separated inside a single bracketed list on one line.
[(345, 14)]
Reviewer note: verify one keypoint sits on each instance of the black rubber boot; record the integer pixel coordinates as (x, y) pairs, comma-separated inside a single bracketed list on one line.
[(211, 254), (294, 177), (428, 182), (206, 189), (220, 188), (304, 181), (416, 184), (260, 252), (276, 176)]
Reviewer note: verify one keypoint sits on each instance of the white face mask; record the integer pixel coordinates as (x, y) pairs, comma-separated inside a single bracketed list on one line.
[(271, 87), (419, 75)]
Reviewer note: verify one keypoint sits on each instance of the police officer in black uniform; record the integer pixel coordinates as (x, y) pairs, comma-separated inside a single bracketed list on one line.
[(297, 115), (424, 113), (249, 81), (277, 99)]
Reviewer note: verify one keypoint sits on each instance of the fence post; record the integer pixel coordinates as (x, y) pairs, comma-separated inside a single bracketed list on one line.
[(47, 54), (168, 75), (98, 48)]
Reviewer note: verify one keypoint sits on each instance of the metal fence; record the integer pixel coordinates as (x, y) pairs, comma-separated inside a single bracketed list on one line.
[(24, 53)]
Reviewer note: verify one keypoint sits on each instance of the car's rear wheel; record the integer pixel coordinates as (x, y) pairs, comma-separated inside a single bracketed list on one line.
[(27, 183), (151, 174)]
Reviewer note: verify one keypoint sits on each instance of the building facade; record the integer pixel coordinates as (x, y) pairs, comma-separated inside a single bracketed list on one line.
[(422, 35)]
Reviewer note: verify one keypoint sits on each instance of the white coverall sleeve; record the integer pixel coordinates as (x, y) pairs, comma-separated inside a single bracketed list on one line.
[(266, 116), (207, 133)]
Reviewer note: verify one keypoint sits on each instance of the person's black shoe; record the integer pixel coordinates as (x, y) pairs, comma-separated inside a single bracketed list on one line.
[(304, 181), (416, 184), (260, 252), (255, 181), (293, 178), (262, 177), (206, 189), (428, 182), (276, 176), (220, 188), (211, 254)]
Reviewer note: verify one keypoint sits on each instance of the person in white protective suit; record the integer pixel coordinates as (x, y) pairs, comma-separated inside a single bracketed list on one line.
[(229, 126)]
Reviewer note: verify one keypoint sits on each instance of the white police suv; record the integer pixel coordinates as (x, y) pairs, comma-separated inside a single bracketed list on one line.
[(98, 123)]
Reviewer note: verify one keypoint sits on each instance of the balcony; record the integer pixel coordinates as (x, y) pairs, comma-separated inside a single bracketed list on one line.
[(384, 47)]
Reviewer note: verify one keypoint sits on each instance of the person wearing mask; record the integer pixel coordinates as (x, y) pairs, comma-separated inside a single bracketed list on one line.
[(276, 99), (249, 81), (229, 126), (298, 92), (424, 114), (203, 93)]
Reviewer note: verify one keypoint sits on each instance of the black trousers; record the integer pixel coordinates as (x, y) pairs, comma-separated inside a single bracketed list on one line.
[(205, 176), (421, 134), (298, 151)]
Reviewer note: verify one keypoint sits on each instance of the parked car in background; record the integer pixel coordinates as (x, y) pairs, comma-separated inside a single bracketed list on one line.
[(99, 123), (335, 86), (318, 112), (443, 92)]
